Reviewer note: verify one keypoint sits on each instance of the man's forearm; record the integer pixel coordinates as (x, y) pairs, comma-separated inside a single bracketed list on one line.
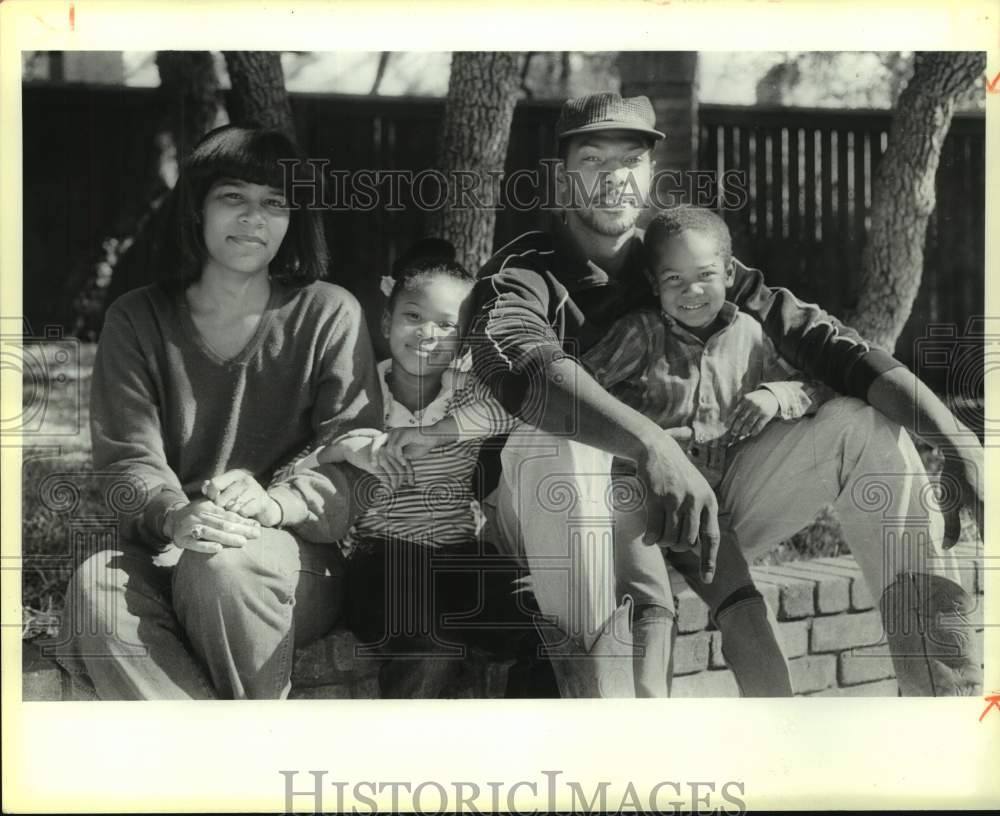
[(900, 396), (564, 399)]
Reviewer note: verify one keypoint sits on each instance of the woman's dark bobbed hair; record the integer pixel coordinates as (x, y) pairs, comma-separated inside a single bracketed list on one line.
[(266, 157)]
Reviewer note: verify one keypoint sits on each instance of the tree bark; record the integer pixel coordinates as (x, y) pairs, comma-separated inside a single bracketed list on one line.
[(482, 92), (383, 64), (189, 89), (189, 101), (903, 195), (258, 98)]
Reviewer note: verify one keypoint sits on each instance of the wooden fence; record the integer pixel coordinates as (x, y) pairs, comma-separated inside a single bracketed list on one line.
[(808, 177)]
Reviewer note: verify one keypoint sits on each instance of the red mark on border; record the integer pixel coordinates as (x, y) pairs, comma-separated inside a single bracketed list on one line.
[(992, 701), (992, 86), (72, 17)]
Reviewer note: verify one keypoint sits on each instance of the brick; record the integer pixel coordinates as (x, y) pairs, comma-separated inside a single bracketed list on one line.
[(706, 684), (864, 666), (44, 685), (692, 614), (485, 677), (880, 688), (861, 598), (839, 632), (795, 594), (366, 688), (794, 637), (462, 683), (41, 677), (691, 653), (343, 650), (313, 665), (831, 591), (495, 685), (813, 673), (335, 691)]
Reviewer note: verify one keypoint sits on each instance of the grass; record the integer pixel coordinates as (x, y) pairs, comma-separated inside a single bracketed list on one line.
[(57, 466), (56, 463)]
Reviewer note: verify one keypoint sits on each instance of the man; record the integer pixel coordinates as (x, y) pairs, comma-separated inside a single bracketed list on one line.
[(548, 296)]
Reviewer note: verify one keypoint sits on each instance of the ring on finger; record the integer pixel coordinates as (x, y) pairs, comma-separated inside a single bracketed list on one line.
[(198, 531)]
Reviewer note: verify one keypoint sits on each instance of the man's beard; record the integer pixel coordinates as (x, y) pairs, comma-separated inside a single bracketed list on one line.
[(610, 222)]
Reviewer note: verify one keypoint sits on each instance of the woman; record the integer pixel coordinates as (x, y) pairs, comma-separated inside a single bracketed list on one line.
[(204, 384)]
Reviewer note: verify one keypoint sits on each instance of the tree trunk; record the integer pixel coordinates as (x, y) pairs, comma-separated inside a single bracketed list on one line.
[(383, 63), (258, 97), (189, 101), (482, 92), (903, 192), (189, 89)]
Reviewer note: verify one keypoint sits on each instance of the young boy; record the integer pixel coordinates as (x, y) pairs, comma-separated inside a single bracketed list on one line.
[(707, 374)]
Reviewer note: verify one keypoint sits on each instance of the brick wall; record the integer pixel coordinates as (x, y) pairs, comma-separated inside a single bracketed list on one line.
[(830, 631)]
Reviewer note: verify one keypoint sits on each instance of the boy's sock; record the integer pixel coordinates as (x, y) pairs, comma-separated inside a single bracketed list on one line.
[(653, 632), (750, 645)]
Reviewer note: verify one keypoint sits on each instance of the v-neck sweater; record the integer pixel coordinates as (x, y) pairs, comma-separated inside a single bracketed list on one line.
[(167, 412)]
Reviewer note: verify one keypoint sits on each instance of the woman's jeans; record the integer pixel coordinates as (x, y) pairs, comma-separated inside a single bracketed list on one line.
[(185, 625)]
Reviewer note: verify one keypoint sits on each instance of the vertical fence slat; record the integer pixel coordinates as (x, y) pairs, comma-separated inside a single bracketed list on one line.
[(744, 165), (760, 188), (712, 164), (859, 205), (843, 189), (729, 162), (828, 250), (810, 187), (778, 230), (794, 188)]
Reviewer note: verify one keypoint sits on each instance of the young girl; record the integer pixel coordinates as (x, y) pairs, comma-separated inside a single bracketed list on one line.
[(203, 385), (422, 580)]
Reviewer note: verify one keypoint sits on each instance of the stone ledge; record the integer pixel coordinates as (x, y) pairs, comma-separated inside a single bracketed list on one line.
[(830, 653)]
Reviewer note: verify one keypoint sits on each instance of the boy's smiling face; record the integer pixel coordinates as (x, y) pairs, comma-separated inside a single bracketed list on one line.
[(690, 276)]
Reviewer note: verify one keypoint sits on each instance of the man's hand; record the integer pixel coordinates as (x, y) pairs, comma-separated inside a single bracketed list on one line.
[(203, 526), (354, 447), (752, 414), (681, 506), (365, 449), (238, 491), (412, 443), (904, 399), (963, 471)]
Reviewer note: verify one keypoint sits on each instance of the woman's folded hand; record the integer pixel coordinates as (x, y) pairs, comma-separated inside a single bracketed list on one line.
[(203, 526), (239, 492)]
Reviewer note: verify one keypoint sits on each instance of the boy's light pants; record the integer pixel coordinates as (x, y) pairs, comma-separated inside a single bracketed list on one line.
[(553, 508)]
